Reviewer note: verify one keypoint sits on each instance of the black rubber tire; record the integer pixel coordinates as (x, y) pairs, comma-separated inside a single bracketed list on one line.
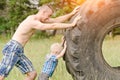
[(84, 58)]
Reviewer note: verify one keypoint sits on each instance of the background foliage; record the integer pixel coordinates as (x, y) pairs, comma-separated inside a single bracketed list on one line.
[(12, 12)]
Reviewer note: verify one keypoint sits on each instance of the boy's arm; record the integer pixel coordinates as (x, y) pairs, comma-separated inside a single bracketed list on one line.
[(64, 17), (62, 52), (52, 26), (62, 41)]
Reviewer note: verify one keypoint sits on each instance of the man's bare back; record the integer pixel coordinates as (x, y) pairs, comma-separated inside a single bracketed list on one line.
[(25, 30), (23, 33), (34, 22)]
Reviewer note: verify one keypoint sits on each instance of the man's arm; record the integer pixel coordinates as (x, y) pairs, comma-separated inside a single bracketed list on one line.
[(53, 26), (64, 17)]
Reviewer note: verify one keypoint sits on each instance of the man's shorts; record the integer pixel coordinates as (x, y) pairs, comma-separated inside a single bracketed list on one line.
[(13, 54)]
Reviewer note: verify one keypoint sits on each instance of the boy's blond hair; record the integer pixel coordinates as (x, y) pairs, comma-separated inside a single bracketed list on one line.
[(56, 47)]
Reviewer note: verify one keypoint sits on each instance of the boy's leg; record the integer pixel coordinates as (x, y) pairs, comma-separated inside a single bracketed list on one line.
[(43, 76), (26, 67)]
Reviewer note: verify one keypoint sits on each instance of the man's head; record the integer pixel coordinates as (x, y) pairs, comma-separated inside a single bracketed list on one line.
[(56, 48), (45, 12)]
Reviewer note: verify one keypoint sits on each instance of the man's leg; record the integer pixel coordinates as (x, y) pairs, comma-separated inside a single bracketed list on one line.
[(9, 59), (7, 63), (26, 67), (1, 77), (31, 75)]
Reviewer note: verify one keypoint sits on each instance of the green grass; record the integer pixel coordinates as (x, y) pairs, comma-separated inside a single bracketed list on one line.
[(36, 49), (111, 51)]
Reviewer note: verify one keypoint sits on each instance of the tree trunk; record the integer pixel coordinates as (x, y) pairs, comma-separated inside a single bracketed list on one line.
[(84, 59)]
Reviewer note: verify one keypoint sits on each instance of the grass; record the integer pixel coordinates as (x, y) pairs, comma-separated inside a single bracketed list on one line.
[(36, 49), (111, 51)]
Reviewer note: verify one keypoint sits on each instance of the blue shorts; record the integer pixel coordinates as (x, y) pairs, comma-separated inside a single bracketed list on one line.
[(13, 54)]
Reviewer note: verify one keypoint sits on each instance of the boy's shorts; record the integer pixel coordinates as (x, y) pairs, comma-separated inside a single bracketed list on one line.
[(50, 64), (14, 55)]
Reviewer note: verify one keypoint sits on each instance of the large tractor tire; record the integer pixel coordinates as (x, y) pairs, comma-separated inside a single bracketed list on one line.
[(84, 58)]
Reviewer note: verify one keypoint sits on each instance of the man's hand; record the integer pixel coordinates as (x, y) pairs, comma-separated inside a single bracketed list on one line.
[(78, 17), (75, 10)]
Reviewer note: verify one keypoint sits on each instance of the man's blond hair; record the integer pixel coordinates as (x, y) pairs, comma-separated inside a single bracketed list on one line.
[(45, 6)]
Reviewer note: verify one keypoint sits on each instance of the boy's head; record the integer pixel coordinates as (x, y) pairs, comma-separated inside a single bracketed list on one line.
[(56, 48)]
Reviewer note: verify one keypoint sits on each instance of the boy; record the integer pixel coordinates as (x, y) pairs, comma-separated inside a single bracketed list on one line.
[(56, 51), (13, 52)]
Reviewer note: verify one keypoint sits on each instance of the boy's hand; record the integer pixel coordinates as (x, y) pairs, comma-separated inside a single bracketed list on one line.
[(63, 51), (76, 19), (65, 45), (63, 38), (75, 10), (62, 41)]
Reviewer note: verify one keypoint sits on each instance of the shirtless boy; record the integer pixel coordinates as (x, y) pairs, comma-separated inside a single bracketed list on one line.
[(13, 52)]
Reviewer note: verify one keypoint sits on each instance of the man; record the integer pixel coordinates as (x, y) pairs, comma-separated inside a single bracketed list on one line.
[(13, 51)]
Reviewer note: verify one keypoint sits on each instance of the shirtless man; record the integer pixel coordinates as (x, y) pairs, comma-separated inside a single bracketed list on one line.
[(13, 53)]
